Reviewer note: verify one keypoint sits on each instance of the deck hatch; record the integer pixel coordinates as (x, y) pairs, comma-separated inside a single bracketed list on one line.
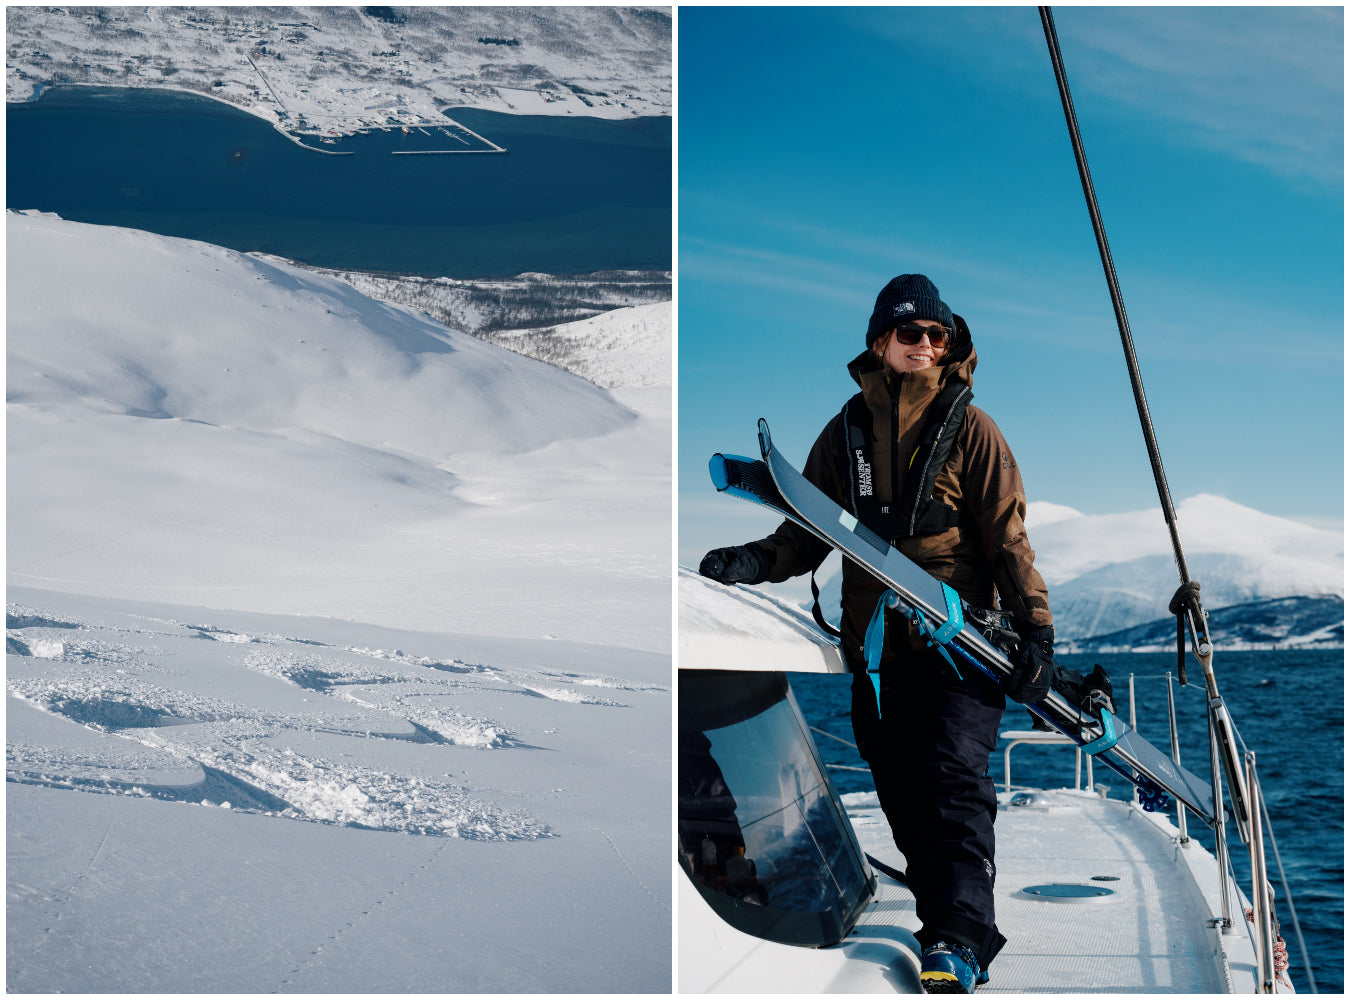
[(1068, 892)]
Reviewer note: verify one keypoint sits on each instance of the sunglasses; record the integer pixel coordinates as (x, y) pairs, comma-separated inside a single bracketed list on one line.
[(910, 334)]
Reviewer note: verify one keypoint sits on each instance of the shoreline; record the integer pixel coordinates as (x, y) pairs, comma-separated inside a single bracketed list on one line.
[(268, 115), (259, 111)]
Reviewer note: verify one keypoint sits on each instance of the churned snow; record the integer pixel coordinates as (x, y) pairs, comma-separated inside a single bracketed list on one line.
[(339, 641)]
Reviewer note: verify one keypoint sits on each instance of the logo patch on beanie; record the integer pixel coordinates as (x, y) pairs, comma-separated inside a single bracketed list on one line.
[(903, 309)]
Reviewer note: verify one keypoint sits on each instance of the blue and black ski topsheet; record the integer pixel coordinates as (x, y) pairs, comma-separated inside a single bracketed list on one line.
[(774, 483)]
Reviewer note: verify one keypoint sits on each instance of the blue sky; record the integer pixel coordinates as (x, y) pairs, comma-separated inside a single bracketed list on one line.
[(821, 151)]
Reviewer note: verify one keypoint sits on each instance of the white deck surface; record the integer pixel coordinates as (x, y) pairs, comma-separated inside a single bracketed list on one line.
[(1148, 936)]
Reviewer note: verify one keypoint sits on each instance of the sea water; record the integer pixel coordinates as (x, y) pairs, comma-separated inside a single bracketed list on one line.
[(1288, 709), (570, 195)]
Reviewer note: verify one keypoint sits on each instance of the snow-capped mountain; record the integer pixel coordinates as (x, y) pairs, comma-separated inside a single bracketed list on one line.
[(1112, 573), (631, 348)]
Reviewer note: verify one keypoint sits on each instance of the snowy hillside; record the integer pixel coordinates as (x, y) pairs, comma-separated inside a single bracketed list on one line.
[(632, 347), (346, 68), (203, 801), (338, 640), (526, 301), (187, 423)]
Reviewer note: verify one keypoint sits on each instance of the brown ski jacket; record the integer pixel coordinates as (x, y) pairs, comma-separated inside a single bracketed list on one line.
[(985, 555)]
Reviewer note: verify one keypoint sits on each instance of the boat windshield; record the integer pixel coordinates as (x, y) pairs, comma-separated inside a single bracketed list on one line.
[(762, 833)]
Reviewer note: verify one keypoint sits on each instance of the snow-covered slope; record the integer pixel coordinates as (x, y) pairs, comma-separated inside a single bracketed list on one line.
[(217, 802), (398, 598), (631, 347), (149, 327), (189, 424), (1277, 623)]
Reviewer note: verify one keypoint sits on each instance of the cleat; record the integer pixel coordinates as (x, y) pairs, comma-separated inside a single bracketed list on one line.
[(950, 968)]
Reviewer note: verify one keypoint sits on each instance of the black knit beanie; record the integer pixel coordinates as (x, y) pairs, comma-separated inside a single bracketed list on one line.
[(905, 298)]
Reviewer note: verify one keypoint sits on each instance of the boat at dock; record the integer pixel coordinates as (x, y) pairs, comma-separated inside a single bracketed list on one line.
[(787, 887)]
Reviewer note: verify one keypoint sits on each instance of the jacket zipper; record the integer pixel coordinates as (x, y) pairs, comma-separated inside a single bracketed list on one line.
[(895, 446)]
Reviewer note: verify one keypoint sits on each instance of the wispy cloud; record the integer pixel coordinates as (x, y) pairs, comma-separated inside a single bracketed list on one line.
[(1262, 84), (806, 275), (839, 266)]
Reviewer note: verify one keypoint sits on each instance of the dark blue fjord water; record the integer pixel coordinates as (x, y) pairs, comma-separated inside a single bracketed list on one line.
[(1289, 710), (571, 195)]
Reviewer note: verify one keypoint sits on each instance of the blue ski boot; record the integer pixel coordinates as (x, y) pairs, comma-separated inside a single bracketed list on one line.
[(950, 968)]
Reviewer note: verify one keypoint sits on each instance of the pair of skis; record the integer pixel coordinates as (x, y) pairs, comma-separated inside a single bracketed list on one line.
[(773, 482)]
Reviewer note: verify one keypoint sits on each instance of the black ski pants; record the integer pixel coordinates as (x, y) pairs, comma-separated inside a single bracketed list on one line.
[(929, 755)]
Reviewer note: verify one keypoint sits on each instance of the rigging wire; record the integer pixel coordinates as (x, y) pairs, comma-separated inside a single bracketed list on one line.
[(839, 767), (1197, 614), (833, 737), (1186, 601), (1264, 813), (1288, 895)]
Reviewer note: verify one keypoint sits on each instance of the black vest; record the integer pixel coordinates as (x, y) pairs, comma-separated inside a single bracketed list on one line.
[(914, 512)]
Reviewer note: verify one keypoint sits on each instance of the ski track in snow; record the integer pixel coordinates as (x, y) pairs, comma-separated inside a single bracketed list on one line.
[(244, 753)]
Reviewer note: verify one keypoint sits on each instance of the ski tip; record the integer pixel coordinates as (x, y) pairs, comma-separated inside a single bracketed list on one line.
[(765, 442), (717, 468)]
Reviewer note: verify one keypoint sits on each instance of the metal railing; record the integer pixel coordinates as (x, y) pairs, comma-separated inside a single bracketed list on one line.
[(1264, 930)]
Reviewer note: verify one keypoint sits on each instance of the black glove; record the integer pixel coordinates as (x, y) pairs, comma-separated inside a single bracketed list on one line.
[(737, 564), (866, 718), (1033, 664), (1091, 693)]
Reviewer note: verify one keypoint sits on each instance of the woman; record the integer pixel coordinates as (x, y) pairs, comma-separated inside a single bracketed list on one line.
[(921, 467)]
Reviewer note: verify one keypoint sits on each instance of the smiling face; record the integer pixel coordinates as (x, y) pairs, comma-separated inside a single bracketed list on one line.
[(899, 357)]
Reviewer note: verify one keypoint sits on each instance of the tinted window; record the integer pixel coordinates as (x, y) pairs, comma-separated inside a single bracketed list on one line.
[(762, 833)]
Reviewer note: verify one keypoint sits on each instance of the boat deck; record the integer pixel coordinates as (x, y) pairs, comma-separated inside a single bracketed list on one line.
[(1148, 935)]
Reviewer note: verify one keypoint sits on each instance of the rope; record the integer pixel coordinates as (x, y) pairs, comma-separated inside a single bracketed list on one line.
[(1281, 952), (1185, 601)]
